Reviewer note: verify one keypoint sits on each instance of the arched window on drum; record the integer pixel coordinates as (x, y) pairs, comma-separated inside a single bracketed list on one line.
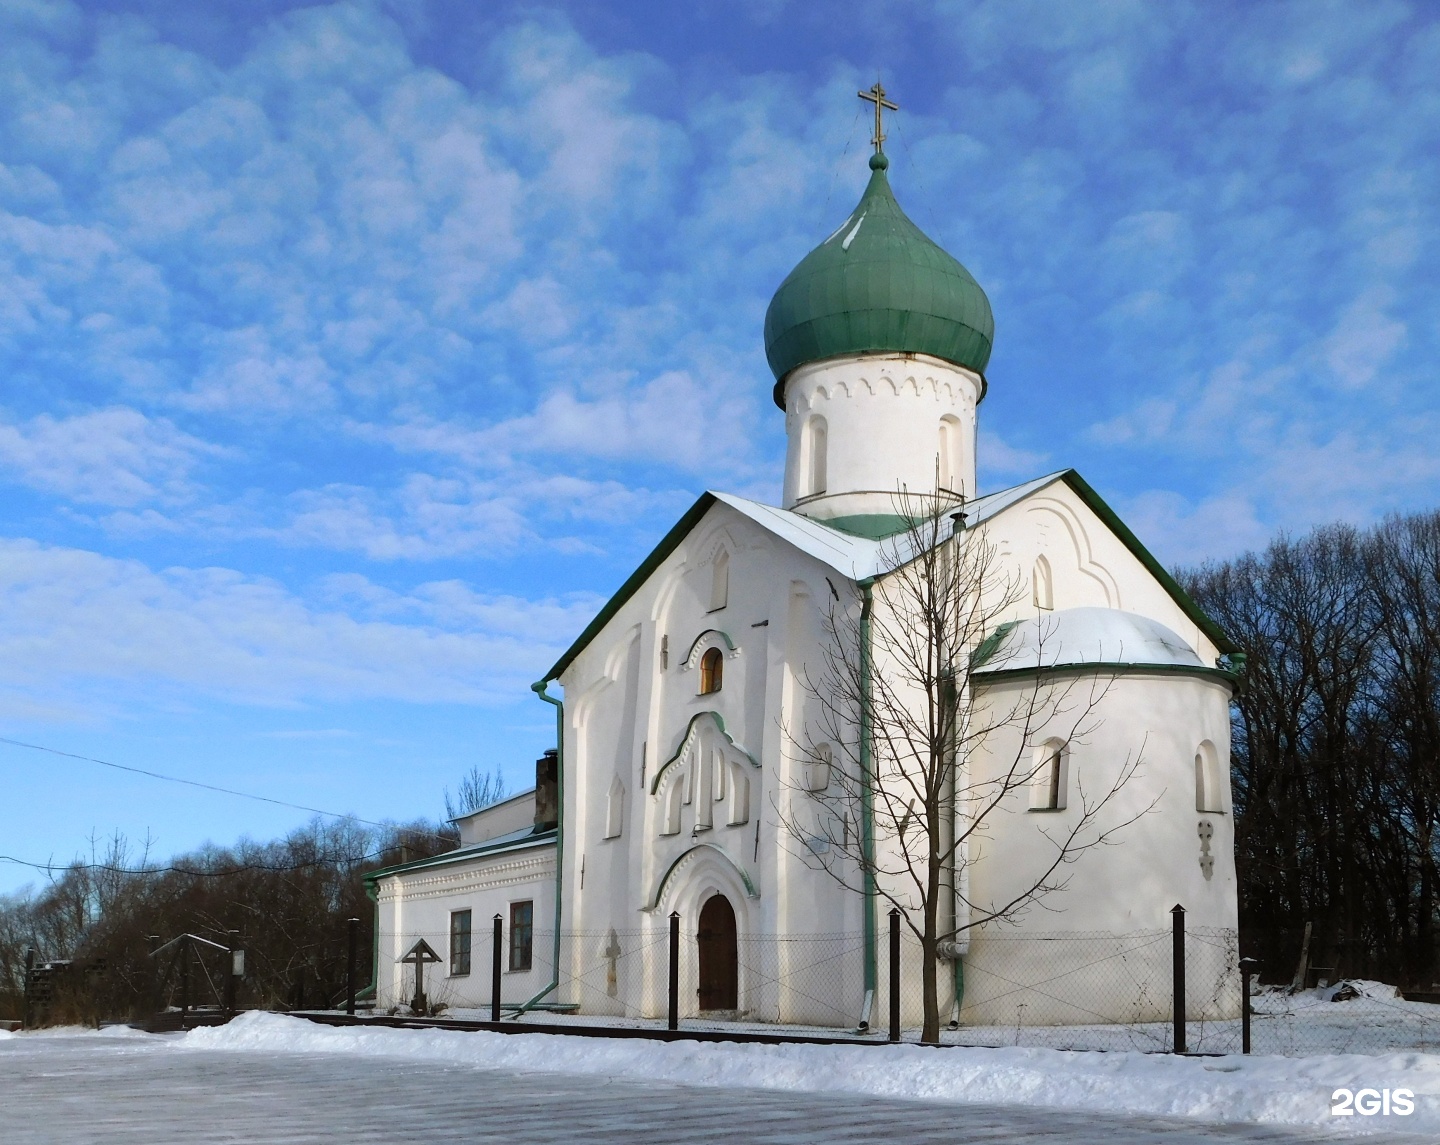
[(817, 462), (947, 476)]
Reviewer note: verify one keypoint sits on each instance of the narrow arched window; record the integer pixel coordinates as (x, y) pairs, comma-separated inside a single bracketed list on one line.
[(712, 671), (819, 444), (1050, 779), (1043, 584), (615, 809), (946, 476), (1208, 786), (817, 769), (719, 581)]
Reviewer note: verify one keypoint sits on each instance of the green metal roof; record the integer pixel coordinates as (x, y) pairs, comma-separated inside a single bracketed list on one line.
[(877, 284)]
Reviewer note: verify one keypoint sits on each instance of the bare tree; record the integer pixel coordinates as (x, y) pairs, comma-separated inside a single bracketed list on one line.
[(477, 789), (907, 758)]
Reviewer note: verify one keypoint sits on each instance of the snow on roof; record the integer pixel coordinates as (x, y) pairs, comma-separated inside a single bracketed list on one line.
[(1087, 636), (861, 557)]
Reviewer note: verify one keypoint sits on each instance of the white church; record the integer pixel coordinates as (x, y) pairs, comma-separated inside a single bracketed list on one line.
[(676, 763)]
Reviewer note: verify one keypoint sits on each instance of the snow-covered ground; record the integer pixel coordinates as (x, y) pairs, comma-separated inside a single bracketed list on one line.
[(1277, 1091), (1376, 1020), (1292, 1092)]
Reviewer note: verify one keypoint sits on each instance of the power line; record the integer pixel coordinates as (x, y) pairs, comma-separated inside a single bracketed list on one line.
[(188, 782), (239, 868), (203, 786)]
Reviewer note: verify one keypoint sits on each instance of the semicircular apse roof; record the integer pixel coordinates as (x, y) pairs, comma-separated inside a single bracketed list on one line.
[(1079, 636)]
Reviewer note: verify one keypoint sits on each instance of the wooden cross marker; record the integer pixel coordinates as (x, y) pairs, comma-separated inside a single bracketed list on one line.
[(876, 95)]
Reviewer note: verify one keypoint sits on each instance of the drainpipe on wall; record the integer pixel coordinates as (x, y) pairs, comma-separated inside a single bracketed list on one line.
[(539, 690), (372, 892), (867, 802)]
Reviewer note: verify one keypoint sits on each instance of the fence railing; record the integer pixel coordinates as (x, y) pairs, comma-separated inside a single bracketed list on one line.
[(1063, 990)]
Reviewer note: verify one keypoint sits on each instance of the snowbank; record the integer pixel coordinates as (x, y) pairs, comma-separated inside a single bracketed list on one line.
[(1269, 1090)]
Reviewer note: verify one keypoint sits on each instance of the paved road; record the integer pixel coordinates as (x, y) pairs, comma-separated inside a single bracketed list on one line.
[(118, 1091)]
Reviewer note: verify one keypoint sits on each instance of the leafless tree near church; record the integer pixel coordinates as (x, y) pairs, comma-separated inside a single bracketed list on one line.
[(901, 665)]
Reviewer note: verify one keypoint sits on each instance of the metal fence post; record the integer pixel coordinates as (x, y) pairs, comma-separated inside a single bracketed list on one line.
[(230, 974), (27, 1018), (1177, 936), (1247, 968), (495, 968), (352, 926), (674, 984), (152, 944), (894, 974), (184, 951)]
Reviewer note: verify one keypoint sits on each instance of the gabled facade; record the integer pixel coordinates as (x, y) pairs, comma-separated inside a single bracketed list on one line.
[(681, 701)]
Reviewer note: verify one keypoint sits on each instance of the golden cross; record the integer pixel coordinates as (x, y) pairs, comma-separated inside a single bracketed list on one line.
[(876, 95)]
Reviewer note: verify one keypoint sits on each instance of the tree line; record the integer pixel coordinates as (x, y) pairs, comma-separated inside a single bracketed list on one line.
[(1336, 746), (288, 902)]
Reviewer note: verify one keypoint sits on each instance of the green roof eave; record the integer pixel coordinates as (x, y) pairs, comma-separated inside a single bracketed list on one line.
[(668, 544), (1108, 668), (1097, 505), (462, 854)]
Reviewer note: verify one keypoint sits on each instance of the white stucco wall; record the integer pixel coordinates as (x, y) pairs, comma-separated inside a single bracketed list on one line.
[(883, 417), (1090, 565), (418, 904), (498, 819), (633, 708)]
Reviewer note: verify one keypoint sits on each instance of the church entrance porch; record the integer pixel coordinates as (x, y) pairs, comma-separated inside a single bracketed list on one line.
[(719, 961)]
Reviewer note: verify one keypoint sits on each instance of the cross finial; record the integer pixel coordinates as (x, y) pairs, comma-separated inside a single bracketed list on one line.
[(876, 95)]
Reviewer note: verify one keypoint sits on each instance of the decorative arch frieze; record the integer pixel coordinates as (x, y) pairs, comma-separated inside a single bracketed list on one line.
[(710, 638), (708, 769), (698, 856)]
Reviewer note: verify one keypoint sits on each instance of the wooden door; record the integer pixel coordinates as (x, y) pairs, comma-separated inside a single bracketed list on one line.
[(719, 956)]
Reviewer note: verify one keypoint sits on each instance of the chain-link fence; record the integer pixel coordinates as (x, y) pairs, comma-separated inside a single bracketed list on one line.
[(1061, 990)]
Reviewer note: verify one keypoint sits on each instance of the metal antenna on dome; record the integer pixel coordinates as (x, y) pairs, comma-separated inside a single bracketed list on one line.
[(876, 95)]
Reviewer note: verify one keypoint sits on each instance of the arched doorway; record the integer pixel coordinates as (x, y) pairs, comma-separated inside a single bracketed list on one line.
[(719, 956)]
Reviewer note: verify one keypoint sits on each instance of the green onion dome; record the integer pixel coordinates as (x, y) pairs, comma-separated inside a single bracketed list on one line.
[(878, 284)]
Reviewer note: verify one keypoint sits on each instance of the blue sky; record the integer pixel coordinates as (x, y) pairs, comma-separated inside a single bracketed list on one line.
[(351, 355)]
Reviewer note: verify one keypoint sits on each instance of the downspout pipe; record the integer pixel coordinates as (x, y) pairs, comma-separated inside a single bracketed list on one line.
[(372, 892), (539, 690), (867, 798)]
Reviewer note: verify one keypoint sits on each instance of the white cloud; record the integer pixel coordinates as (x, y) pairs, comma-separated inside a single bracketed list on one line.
[(70, 619), (1182, 532), (109, 457), (998, 458), (1364, 340)]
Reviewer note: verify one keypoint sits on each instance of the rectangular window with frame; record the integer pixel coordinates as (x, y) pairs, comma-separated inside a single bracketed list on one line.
[(459, 942), (522, 934)]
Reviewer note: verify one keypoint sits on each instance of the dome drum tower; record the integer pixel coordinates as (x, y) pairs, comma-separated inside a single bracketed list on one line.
[(878, 340), (865, 428)]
